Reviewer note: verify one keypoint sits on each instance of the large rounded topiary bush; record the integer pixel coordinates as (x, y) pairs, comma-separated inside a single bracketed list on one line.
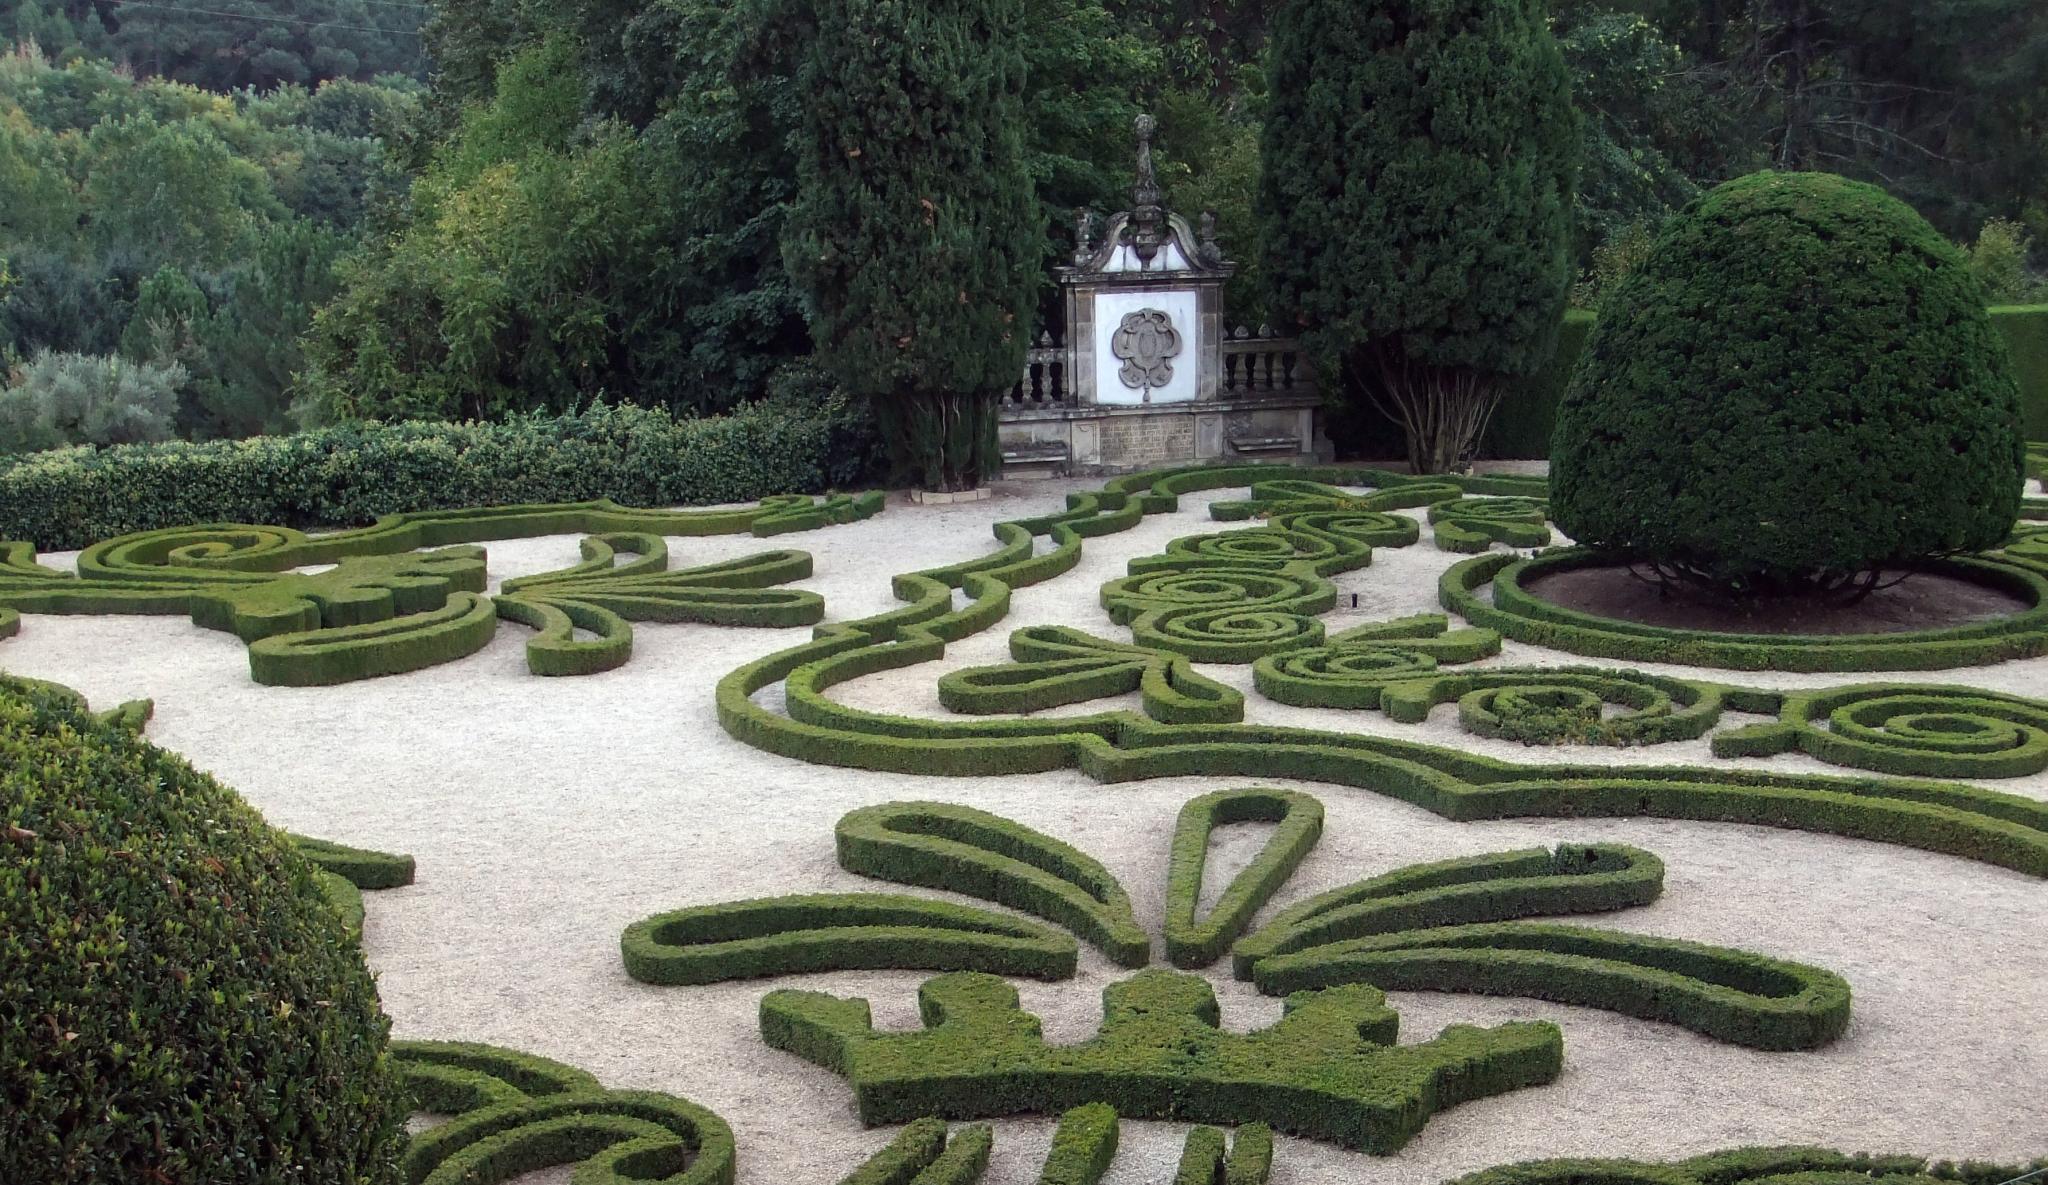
[(178, 1002), (1799, 383)]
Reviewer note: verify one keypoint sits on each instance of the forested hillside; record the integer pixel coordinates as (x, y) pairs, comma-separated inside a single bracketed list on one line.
[(222, 217)]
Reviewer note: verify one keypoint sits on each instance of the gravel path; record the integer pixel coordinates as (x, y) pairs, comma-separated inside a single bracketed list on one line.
[(546, 815)]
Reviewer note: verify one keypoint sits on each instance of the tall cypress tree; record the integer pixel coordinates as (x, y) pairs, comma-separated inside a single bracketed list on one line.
[(1419, 162), (914, 237)]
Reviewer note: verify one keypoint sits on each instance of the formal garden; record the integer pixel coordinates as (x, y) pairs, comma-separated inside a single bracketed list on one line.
[(1564, 709)]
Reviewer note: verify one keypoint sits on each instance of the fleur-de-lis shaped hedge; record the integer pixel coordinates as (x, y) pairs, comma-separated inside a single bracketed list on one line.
[(1329, 1069)]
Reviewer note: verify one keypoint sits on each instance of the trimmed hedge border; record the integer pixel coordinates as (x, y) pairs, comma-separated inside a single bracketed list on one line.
[(962, 850), (344, 872), (1193, 941), (1966, 821), (338, 477), (1786, 1165), (1729, 995), (923, 1155), (838, 932), (1519, 614), (1083, 1146), (1329, 1070), (385, 608), (1596, 878), (1476, 524), (514, 1113)]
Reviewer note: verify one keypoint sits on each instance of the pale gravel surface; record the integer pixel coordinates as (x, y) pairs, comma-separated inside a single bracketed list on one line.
[(546, 815)]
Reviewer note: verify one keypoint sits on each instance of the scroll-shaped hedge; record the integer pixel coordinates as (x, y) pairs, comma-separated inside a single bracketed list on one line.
[(1730, 995), (1555, 705), (1193, 941), (1476, 524), (600, 596), (1058, 665), (1571, 879), (942, 846), (1329, 1070), (459, 628), (344, 873), (513, 1113), (1354, 668), (838, 932)]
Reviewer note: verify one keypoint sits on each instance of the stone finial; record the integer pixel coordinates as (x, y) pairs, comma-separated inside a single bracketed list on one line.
[(1148, 212), (1084, 235), (1207, 247)]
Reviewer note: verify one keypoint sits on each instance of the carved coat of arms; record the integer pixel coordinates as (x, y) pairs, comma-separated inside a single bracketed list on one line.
[(1147, 343)]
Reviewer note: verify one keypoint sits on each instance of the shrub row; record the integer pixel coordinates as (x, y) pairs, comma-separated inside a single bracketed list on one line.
[(1083, 1146), (1597, 878), (1521, 429), (1193, 941), (514, 1113), (1328, 1070), (1738, 1165), (163, 949), (838, 932), (962, 850), (349, 475), (1520, 614), (2003, 829), (318, 658), (1730, 995)]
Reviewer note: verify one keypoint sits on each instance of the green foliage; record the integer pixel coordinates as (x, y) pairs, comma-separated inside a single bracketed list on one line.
[(1083, 1145), (1761, 442), (1621, 253), (1999, 261), (1913, 729), (350, 475), (1739, 1165), (922, 1155), (838, 932), (383, 608), (54, 400), (1509, 607), (1197, 942), (2025, 330), (224, 44), (176, 226), (511, 1114), (963, 850), (1416, 198), (1966, 821), (1329, 1070), (913, 236), (165, 948)]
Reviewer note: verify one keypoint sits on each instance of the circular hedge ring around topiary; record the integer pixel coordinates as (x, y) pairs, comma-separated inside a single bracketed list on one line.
[(1800, 382), (168, 959)]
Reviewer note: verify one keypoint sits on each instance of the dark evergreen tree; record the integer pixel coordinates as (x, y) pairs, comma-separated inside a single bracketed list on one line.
[(914, 238), (1416, 202)]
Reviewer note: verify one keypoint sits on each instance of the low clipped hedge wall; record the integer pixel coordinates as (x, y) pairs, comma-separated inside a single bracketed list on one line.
[(342, 476), (178, 999), (1521, 428)]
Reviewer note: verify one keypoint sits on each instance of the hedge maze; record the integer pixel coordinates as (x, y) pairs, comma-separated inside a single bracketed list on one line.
[(385, 607), (513, 1113), (1755, 1166)]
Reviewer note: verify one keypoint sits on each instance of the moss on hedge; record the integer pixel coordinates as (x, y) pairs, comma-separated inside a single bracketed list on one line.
[(166, 952)]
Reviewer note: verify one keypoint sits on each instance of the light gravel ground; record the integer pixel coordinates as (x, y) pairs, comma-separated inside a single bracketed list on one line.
[(546, 815)]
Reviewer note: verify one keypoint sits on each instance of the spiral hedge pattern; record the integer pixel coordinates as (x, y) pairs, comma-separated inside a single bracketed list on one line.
[(385, 607), (513, 1113)]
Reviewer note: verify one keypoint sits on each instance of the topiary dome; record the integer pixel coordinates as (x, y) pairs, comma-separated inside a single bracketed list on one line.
[(178, 1001), (1800, 382)]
